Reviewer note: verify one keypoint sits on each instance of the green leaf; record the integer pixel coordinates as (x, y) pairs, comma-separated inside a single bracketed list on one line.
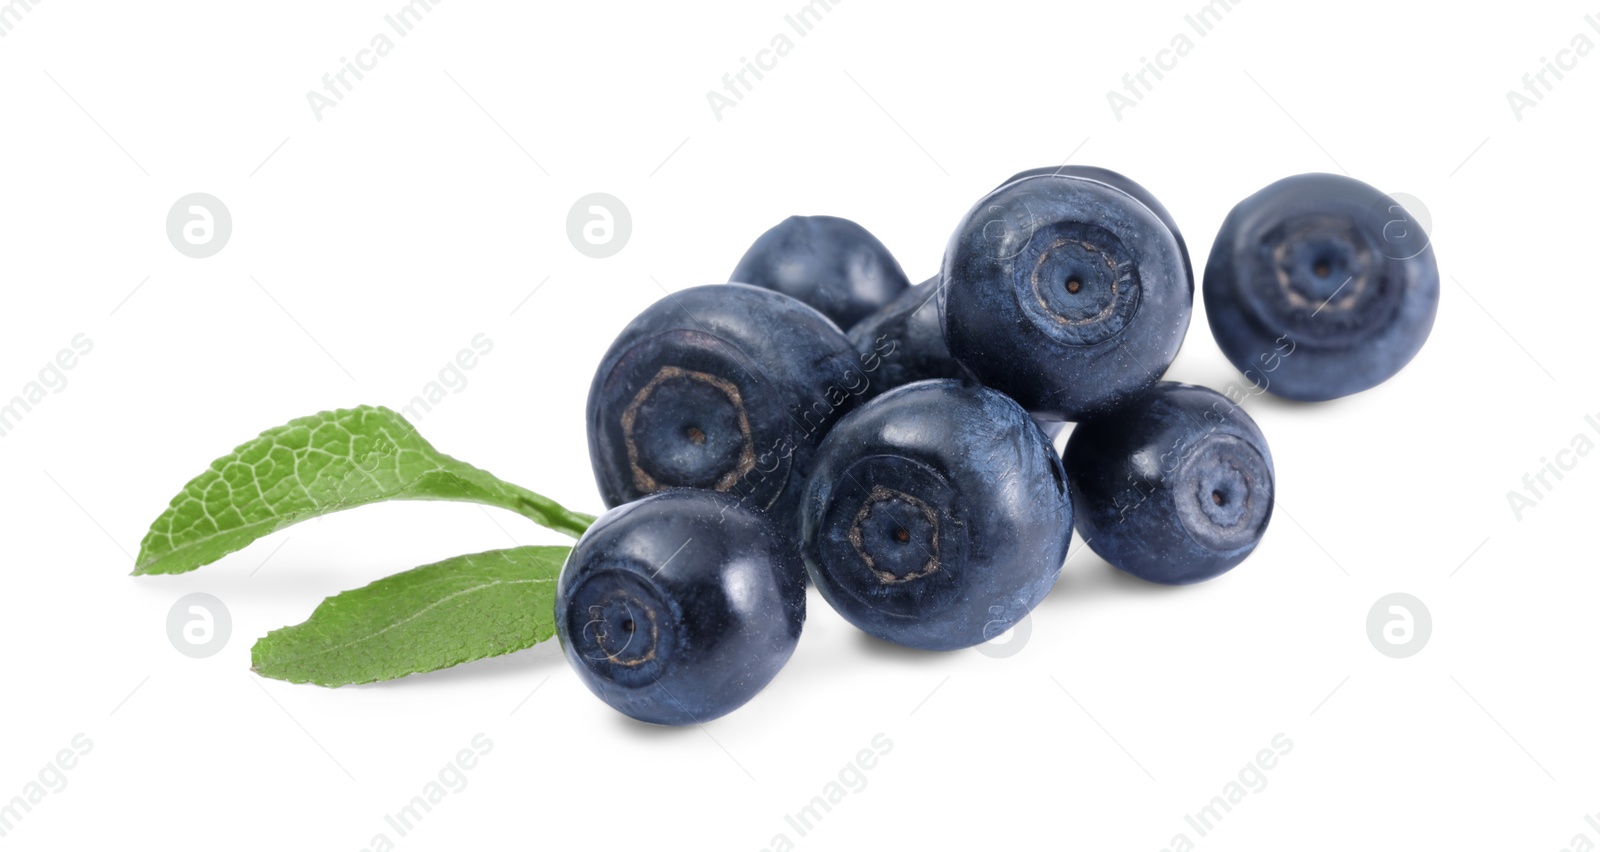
[(428, 618), (320, 464)]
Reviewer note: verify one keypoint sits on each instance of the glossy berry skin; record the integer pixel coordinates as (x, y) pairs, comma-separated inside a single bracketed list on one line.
[(1128, 185), (1175, 488), (831, 264), (724, 387), (1319, 286), (903, 341), (680, 607), (1065, 293), (937, 516)]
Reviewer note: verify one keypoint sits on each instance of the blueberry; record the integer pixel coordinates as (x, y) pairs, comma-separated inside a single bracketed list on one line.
[(831, 264), (937, 515), (724, 387), (1065, 293), (1319, 287), (1126, 184), (902, 342), (680, 607), (1174, 488)]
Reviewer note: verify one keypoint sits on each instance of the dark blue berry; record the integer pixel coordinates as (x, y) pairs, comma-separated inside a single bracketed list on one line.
[(680, 607), (937, 515), (831, 264), (1126, 184), (1176, 487), (903, 342), (1320, 286), (1065, 293), (724, 387)]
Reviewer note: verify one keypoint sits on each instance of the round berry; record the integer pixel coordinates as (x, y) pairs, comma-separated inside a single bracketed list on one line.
[(831, 264), (680, 607), (1126, 184), (1319, 286), (937, 515), (903, 341), (724, 387), (1065, 293), (1174, 488)]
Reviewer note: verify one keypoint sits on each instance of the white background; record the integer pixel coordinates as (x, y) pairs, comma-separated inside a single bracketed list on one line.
[(368, 247)]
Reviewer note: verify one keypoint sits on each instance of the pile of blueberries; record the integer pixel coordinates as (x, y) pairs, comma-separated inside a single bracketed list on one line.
[(906, 466)]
